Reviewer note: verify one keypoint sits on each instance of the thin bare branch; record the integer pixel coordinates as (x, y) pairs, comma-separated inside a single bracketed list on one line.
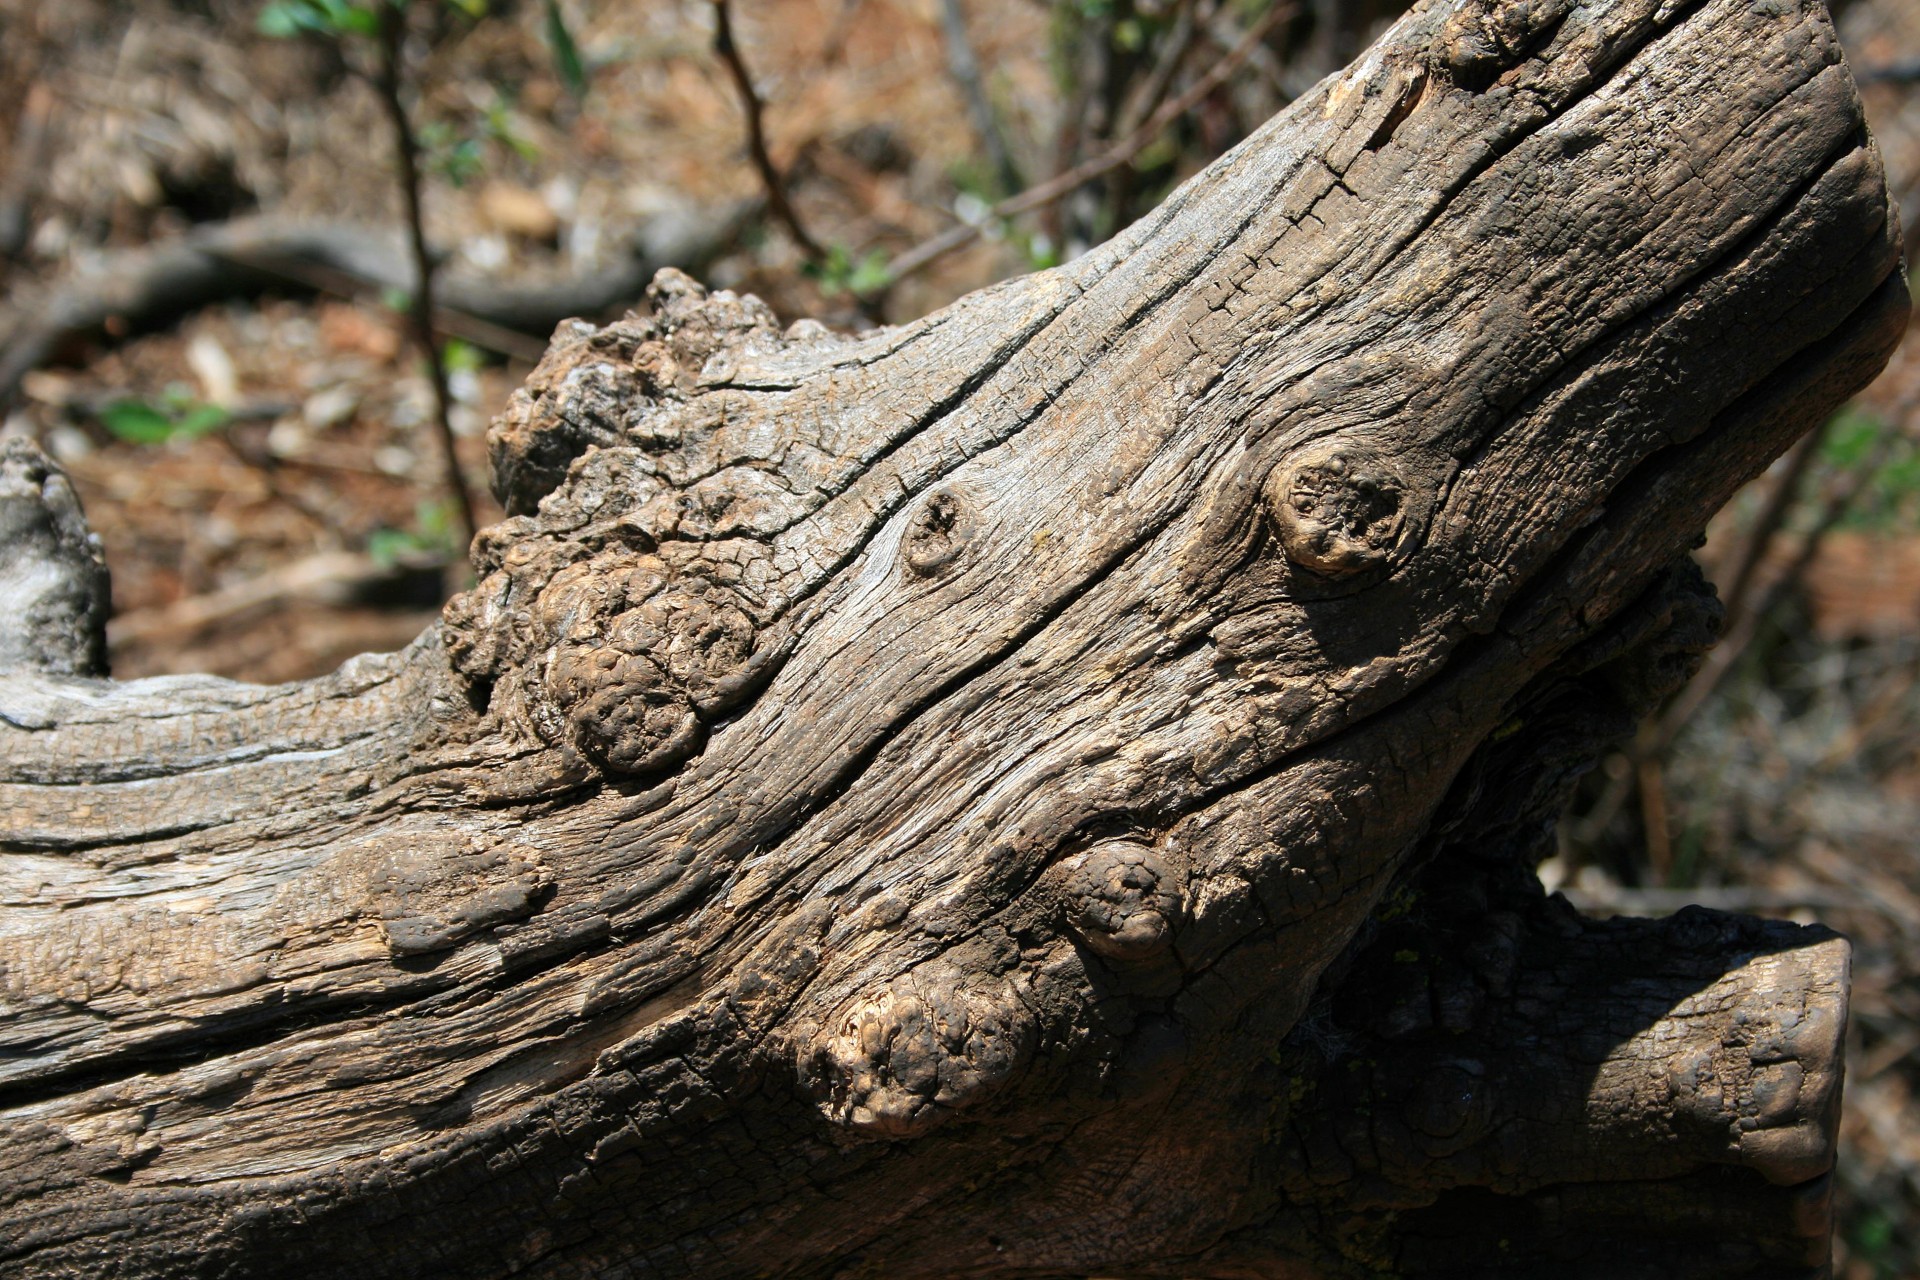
[(407, 158), (728, 51), (964, 66), (1745, 612), (1173, 56), (1773, 512), (1119, 154), (1741, 632), (454, 323)]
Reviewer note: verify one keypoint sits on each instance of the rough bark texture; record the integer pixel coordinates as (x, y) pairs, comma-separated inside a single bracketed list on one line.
[(1047, 790)]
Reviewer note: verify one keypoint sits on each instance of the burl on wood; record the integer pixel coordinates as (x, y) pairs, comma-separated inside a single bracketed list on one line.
[(1047, 790)]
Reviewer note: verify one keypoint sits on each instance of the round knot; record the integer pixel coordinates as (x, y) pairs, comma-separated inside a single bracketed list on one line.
[(939, 530), (1337, 509), (1122, 899)]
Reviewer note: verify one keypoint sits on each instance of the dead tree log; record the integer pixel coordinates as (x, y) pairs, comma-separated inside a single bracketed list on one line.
[(1047, 790)]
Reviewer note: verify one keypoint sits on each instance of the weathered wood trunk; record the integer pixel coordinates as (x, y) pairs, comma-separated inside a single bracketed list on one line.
[(1051, 789)]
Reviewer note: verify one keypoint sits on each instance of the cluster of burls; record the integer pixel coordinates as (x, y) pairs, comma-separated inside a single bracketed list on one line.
[(598, 620)]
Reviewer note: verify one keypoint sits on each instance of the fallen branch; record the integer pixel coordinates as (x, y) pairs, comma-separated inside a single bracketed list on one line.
[(1049, 790), (1744, 899), (145, 289), (327, 576)]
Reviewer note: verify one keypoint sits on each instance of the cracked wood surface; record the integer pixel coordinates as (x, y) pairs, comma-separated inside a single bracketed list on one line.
[(930, 802)]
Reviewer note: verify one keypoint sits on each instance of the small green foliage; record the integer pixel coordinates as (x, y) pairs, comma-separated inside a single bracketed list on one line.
[(1039, 250), (460, 155), (499, 127), (174, 415), (287, 18), (839, 272), (337, 18), (972, 176), (566, 54), (457, 356), (870, 275), (1406, 957), (1400, 902), (1891, 498), (430, 539), (1850, 436), (1872, 1235), (457, 158), (1158, 154)]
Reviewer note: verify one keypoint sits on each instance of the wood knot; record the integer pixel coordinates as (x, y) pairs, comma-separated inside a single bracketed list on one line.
[(1451, 1105), (903, 1059), (631, 693), (1486, 38), (1338, 509), (1122, 899), (430, 897), (940, 529)]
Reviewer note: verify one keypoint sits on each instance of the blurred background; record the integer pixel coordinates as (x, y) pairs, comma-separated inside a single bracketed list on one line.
[(210, 313)]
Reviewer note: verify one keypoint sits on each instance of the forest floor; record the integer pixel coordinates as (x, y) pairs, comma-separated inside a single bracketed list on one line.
[(271, 502)]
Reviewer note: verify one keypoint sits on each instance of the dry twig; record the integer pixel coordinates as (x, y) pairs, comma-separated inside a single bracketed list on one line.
[(771, 178), (420, 308), (1120, 153), (964, 66)]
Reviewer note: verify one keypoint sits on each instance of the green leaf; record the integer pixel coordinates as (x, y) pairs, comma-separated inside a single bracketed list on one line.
[(433, 525), (137, 422), (472, 8), (1874, 1234), (463, 162), (457, 355), (285, 18), (1850, 435), (357, 19), (176, 415), (200, 420), (361, 22), (430, 540), (281, 21), (833, 270), (1040, 251), (566, 54), (387, 547), (871, 275), (500, 128)]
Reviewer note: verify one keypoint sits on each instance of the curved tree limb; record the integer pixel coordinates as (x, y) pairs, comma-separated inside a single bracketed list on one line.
[(147, 288), (930, 803)]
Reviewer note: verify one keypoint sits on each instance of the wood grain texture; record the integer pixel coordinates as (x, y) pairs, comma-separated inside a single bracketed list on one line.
[(933, 802)]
